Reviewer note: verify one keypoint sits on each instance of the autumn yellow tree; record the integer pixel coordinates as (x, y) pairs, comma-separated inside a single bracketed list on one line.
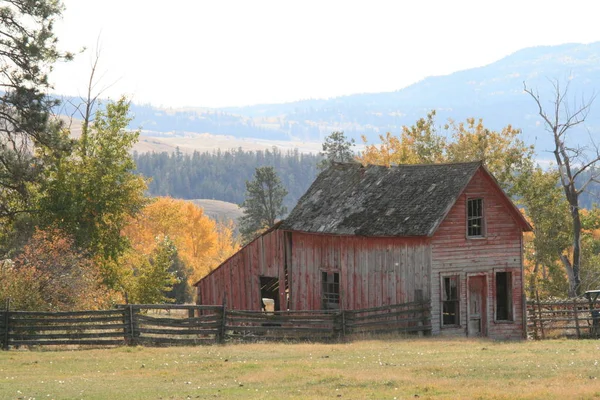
[(201, 242), (503, 152), (417, 144)]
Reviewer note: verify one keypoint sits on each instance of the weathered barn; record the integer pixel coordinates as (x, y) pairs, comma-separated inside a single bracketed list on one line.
[(371, 236)]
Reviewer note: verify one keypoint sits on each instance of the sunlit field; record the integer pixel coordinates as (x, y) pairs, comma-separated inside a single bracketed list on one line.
[(377, 369)]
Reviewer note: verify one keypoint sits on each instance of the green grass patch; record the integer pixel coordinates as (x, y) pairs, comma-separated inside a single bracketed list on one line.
[(424, 368)]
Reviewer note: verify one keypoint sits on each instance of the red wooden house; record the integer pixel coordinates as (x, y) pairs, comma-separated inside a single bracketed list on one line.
[(370, 236)]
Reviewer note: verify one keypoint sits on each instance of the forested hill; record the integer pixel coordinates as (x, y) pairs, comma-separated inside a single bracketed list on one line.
[(222, 175)]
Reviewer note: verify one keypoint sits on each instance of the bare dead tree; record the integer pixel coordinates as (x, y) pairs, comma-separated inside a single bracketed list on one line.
[(573, 160)]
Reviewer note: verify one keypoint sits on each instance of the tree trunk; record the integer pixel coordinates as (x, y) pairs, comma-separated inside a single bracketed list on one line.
[(533, 280), (570, 275), (576, 248)]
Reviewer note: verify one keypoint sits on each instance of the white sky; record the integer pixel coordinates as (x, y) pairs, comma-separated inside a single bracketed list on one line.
[(223, 53)]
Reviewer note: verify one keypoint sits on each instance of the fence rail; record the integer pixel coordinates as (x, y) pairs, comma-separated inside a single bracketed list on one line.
[(190, 325), (575, 318)]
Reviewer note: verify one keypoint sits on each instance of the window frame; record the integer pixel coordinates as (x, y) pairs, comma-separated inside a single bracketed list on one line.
[(509, 298), (456, 301), (326, 293), (469, 218)]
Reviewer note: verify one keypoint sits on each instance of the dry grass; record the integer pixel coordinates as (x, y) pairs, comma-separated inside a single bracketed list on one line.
[(373, 369)]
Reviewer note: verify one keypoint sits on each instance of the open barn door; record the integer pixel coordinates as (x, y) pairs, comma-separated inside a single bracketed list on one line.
[(269, 293)]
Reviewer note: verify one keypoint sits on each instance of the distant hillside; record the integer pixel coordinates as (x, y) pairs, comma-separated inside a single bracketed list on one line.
[(219, 210), (493, 92)]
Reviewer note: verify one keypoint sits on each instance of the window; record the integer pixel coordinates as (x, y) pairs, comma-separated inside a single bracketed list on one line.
[(330, 290), (504, 296), (450, 300), (474, 217)]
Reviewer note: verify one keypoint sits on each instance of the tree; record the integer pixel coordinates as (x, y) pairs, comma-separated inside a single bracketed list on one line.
[(91, 193), (53, 274), (27, 52), (548, 213), (503, 153), (153, 277), (202, 244), (417, 144), (263, 203), (573, 160), (336, 148)]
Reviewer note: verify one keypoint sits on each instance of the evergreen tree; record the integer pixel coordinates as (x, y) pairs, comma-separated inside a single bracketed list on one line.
[(336, 148), (155, 277), (27, 52), (263, 203)]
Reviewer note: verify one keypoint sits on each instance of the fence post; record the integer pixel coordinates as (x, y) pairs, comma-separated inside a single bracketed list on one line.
[(537, 295), (129, 330), (421, 315), (221, 333), (6, 327), (531, 314), (576, 319)]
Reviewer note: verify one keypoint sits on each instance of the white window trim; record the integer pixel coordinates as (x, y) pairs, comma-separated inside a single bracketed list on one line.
[(483, 219), (460, 307)]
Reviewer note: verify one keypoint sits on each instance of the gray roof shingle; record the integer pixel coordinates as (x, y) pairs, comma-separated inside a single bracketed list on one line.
[(404, 200)]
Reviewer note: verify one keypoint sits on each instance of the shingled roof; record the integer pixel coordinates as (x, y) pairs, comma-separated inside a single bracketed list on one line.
[(404, 200)]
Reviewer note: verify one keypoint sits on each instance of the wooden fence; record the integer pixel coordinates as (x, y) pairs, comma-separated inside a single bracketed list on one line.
[(573, 318), (152, 325)]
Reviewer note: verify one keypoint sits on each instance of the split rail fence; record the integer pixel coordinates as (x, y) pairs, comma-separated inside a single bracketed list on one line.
[(155, 325), (574, 318)]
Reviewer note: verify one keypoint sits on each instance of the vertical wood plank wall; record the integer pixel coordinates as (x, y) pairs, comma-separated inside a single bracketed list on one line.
[(373, 271), (376, 271), (499, 250), (238, 278)]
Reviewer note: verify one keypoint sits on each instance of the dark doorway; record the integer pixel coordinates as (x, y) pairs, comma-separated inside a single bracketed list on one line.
[(269, 290)]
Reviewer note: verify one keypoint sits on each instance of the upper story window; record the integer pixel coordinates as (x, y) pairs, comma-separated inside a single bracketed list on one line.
[(474, 217)]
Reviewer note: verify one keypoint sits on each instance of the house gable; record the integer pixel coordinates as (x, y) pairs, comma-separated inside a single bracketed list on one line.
[(499, 249)]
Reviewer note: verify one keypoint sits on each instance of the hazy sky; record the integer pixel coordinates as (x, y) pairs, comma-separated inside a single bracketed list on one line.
[(223, 53)]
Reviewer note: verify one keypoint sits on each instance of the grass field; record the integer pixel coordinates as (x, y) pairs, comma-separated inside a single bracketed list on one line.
[(373, 369)]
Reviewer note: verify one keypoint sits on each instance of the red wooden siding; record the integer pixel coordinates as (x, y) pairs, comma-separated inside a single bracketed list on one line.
[(373, 271), (238, 278), (499, 250), (377, 271)]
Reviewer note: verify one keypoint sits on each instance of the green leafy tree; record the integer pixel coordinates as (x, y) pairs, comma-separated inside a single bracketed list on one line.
[(336, 148), (548, 212), (27, 52), (92, 193), (263, 203)]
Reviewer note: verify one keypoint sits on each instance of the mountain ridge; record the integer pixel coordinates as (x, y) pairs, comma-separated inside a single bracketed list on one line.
[(493, 92)]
